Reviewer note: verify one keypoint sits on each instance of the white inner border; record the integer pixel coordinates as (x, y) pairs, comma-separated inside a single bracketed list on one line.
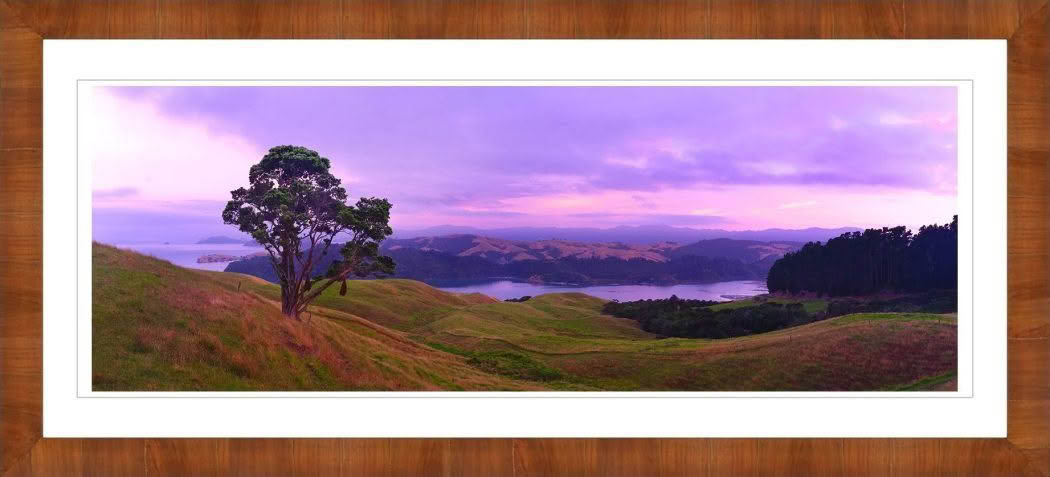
[(976, 67)]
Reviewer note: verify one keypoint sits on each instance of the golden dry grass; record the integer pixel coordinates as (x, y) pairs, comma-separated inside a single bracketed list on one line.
[(161, 327)]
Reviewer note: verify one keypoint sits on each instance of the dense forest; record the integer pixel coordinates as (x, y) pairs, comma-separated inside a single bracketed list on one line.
[(872, 261)]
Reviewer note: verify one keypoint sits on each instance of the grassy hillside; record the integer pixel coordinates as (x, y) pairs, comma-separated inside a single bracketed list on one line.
[(157, 326)]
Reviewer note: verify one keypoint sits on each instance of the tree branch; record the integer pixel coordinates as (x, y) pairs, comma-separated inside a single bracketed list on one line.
[(351, 263)]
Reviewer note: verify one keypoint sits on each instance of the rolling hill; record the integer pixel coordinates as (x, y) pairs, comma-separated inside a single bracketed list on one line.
[(505, 251), (747, 251), (160, 327)]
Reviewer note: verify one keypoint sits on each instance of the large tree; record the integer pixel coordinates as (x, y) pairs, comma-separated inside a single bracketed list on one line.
[(295, 208)]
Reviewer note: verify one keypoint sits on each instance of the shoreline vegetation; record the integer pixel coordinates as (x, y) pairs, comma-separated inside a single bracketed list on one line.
[(676, 317)]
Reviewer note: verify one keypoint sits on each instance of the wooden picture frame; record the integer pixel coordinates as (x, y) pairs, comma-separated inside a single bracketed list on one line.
[(1024, 23)]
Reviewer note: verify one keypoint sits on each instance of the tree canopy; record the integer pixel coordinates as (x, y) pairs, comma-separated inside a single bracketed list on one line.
[(294, 207), (862, 263), (695, 319)]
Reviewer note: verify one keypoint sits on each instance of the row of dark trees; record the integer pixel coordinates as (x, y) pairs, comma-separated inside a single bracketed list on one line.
[(872, 261), (937, 301), (695, 319)]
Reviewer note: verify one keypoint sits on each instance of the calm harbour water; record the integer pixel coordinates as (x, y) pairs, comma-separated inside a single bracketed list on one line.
[(503, 289), (186, 254)]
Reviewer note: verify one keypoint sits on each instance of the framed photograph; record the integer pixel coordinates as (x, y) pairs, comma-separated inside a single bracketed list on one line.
[(714, 249)]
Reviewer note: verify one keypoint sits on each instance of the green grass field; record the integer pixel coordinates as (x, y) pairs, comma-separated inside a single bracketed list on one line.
[(161, 327), (811, 305)]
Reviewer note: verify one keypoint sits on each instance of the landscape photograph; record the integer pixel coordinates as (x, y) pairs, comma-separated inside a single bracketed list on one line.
[(522, 238)]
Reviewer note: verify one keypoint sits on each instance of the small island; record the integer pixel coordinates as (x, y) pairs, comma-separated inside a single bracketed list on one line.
[(222, 257), (220, 239)]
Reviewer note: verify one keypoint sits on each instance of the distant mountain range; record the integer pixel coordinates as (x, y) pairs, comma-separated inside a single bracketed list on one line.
[(502, 251), (474, 257), (632, 234)]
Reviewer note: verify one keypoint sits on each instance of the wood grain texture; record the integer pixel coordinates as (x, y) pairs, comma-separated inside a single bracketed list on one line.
[(83, 457), (550, 19), (953, 457), (627, 19), (1028, 196), (178, 457), (119, 19), (1025, 23), (933, 19), (868, 19), (20, 237)]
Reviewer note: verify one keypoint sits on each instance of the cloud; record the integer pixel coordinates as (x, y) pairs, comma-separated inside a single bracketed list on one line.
[(486, 213), (797, 205), (639, 138), (478, 155), (139, 154), (115, 193), (895, 119), (633, 163), (654, 219)]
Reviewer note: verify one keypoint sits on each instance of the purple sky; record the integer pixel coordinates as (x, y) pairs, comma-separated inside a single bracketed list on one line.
[(708, 157)]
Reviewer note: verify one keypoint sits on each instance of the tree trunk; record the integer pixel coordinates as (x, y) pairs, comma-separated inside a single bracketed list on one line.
[(288, 303), (289, 290)]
